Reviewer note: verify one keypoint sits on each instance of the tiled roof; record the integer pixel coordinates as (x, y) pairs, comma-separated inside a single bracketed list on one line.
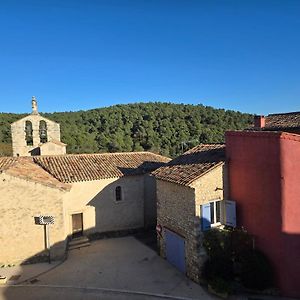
[(86, 167), (26, 168), (282, 121), (191, 165), (6, 162)]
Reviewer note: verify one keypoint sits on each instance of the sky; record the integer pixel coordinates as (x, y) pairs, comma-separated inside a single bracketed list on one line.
[(83, 54)]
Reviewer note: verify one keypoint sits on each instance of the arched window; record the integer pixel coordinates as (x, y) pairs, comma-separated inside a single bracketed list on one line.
[(43, 132), (118, 193), (28, 133)]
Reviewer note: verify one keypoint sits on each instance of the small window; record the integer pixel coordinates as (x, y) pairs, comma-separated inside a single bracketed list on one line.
[(215, 212), (118, 193), (211, 214), (28, 133), (218, 212), (43, 132)]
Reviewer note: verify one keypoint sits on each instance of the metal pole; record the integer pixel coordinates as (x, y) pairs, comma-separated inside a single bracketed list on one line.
[(45, 235), (48, 244)]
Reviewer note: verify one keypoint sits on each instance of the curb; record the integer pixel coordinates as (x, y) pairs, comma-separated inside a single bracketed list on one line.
[(113, 291)]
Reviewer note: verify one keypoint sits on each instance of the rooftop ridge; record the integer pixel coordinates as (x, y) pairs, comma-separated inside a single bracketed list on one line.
[(100, 153), (288, 113)]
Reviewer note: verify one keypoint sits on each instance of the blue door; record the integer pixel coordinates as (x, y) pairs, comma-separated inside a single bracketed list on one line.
[(175, 250)]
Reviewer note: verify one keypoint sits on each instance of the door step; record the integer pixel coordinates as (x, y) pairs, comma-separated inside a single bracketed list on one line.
[(79, 243)]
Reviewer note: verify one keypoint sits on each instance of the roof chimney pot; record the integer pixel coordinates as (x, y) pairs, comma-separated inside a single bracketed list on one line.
[(259, 121)]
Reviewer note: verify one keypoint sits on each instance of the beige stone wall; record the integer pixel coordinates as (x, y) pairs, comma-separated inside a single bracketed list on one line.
[(211, 186), (52, 149), (20, 201), (101, 212), (179, 210), (18, 134), (176, 211)]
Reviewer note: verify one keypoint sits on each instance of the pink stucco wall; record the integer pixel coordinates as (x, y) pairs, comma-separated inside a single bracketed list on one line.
[(264, 180)]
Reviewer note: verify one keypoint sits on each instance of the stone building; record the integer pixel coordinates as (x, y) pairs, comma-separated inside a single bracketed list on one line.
[(190, 199), (85, 193), (36, 135)]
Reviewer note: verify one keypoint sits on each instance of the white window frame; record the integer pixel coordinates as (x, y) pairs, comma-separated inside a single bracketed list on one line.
[(214, 223)]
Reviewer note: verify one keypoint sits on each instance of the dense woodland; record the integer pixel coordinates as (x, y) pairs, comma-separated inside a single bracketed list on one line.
[(164, 128)]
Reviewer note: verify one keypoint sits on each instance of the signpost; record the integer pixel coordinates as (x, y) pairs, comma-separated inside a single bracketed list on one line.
[(159, 230), (46, 221)]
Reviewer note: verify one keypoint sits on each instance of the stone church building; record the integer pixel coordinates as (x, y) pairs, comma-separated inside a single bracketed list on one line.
[(36, 135), (84, 193)]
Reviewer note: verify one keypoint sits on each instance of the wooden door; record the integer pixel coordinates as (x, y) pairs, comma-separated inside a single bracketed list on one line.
[(77, 225)]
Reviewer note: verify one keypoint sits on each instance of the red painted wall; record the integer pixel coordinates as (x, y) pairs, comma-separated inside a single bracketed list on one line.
[(264, 180)]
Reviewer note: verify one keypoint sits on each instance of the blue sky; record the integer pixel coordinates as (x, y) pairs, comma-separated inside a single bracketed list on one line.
[(76, 55)]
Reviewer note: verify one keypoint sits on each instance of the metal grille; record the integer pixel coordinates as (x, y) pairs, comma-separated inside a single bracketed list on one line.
[(45, 220)]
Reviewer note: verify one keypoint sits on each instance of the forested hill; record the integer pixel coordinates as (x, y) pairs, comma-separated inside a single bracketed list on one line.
[(164, 128)]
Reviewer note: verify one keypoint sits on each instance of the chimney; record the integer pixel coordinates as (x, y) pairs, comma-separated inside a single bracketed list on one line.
[(259, 121), (34, 106)]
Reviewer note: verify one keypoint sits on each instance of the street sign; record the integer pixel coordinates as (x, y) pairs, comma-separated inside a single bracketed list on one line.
[(45, 220)]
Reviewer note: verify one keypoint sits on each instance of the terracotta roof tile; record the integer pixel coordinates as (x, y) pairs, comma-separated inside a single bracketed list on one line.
[(25, 168), (6, 162), (86, 167), (192, 164), (282, 121)]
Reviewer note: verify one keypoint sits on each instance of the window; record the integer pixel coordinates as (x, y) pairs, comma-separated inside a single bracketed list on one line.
[(43, 131), (118, 193), (28, 133), (218, 212), (215, 212)]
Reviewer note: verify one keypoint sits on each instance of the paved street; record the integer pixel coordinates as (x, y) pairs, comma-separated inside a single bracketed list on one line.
[(115, 265)]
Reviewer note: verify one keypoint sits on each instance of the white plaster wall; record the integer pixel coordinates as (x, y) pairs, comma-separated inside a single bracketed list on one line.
[(101, 212)]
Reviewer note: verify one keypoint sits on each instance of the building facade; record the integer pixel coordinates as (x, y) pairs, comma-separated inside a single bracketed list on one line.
[(86, 194), (190, 199), (36, 135), (264, 170)]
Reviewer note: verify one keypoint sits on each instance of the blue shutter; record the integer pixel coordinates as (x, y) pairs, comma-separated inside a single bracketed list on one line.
[(230, 213), (205, 216)]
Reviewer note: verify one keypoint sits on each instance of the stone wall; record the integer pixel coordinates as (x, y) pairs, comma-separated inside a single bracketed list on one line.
[(52, 149), (178, 209), (176, 212), (18, 134), (21, 239)]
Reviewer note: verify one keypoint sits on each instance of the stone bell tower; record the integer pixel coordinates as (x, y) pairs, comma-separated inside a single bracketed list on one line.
[(36, 135)]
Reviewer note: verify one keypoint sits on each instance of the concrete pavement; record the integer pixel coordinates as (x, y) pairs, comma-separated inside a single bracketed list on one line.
[(20, 273), (123, 264), (119, 268)]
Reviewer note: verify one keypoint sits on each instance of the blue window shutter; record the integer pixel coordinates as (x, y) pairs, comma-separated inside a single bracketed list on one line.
[(230, 213), (205, 216)]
